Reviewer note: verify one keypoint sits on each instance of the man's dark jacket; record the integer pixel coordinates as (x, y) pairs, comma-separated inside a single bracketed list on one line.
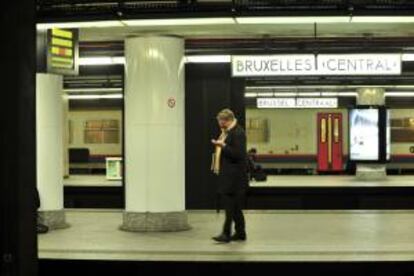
[(233, 176)]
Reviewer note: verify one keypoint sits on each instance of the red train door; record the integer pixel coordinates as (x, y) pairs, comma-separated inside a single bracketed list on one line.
[(330, 142)]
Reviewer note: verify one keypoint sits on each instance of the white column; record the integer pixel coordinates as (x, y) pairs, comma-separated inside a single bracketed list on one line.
[(65, 119), (154, 129), (371, 96), (49, 132)]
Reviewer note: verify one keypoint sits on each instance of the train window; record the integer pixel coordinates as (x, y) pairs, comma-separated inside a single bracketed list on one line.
[(402, 130), (101, 132), (336, 130), (323, 130), (257, 130)]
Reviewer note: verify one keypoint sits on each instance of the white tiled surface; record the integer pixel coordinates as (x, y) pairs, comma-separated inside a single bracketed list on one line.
[(273, 236), (332, 181)]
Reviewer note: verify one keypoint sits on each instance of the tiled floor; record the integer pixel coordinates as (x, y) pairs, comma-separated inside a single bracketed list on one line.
[(273, 236)]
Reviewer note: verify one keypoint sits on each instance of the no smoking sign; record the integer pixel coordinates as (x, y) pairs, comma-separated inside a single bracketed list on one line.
[(171, 102)]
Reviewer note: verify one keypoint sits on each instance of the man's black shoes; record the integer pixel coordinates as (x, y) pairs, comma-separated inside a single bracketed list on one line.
[(226, 239), (239, 237), (222, 238), (42, 229)]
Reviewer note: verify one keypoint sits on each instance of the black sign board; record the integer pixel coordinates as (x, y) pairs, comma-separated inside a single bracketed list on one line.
[(58, 51)]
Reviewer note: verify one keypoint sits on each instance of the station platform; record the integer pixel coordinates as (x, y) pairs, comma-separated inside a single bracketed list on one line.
[(272, 181), (90, 180), (330, 181), (273, 236)]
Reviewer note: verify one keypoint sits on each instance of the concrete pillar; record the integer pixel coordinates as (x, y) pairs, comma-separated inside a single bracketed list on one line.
[(154, 129), (49, 135), (371, 96)]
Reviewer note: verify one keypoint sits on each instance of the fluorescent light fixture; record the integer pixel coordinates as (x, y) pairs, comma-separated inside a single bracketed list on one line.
[(309, 94), (250, 95), (208, 59), (330, 94), (292, 19), (92, 90), (399, 94), (104, 60), (74, 25), (179, 21), (101, 60), (285, 94), (407, 57), (265, 94), (228, 20), (382, 19), (348, 94), (339, 94), (141, 22), (95, 97)]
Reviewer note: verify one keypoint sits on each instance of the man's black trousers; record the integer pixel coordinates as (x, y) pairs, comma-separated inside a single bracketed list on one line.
[(233, 207)]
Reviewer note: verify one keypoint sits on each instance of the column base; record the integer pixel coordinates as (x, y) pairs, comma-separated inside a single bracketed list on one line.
[(55, 219), (155, 222), (367, 172)]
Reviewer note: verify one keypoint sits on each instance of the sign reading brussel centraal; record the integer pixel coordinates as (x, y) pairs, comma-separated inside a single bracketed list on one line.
[(321, 64), (297, 102)]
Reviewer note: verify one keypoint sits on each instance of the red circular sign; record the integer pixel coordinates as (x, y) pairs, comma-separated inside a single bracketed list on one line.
[(171, 102)]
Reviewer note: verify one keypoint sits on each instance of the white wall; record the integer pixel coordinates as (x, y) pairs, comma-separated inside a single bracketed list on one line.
[(79, 118)]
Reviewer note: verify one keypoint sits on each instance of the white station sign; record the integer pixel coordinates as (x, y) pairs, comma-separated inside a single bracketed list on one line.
[(323, 64), (297, 102)]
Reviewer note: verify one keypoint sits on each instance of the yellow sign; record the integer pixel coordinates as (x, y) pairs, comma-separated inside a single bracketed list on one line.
[(62, 51)]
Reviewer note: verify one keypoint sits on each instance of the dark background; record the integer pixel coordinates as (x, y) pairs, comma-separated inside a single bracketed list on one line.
[(209, 88), (18, 139)]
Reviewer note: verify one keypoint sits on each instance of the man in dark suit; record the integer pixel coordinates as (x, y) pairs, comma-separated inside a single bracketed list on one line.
[(230, 165)]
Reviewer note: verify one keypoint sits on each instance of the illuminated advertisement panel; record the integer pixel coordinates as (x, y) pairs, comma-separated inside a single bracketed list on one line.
[(364, 134)]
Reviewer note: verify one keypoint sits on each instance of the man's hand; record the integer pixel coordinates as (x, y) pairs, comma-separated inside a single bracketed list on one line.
[(218, 143)]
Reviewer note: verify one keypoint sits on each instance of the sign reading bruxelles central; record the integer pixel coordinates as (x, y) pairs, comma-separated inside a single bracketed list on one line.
[(323, 64)]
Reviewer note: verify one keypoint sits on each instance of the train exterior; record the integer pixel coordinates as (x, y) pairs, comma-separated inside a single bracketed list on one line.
[(281, 137), (290, 139)]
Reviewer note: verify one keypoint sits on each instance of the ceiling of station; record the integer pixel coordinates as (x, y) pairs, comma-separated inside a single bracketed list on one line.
[(252, 31)]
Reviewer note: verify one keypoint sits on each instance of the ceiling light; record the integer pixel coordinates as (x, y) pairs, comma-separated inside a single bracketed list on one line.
[(101, 60), (382, 19), (309, 94), (399, 94), (265, 94), (95, 97), (250, 95), (348, 94), (339, 94), (285, 94), (92, 90), (292, 19), (329, 94), (74, 25), (179, 21), (208, 59)]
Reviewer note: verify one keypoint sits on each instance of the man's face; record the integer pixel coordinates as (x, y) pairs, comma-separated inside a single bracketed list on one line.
[(224, 124)]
